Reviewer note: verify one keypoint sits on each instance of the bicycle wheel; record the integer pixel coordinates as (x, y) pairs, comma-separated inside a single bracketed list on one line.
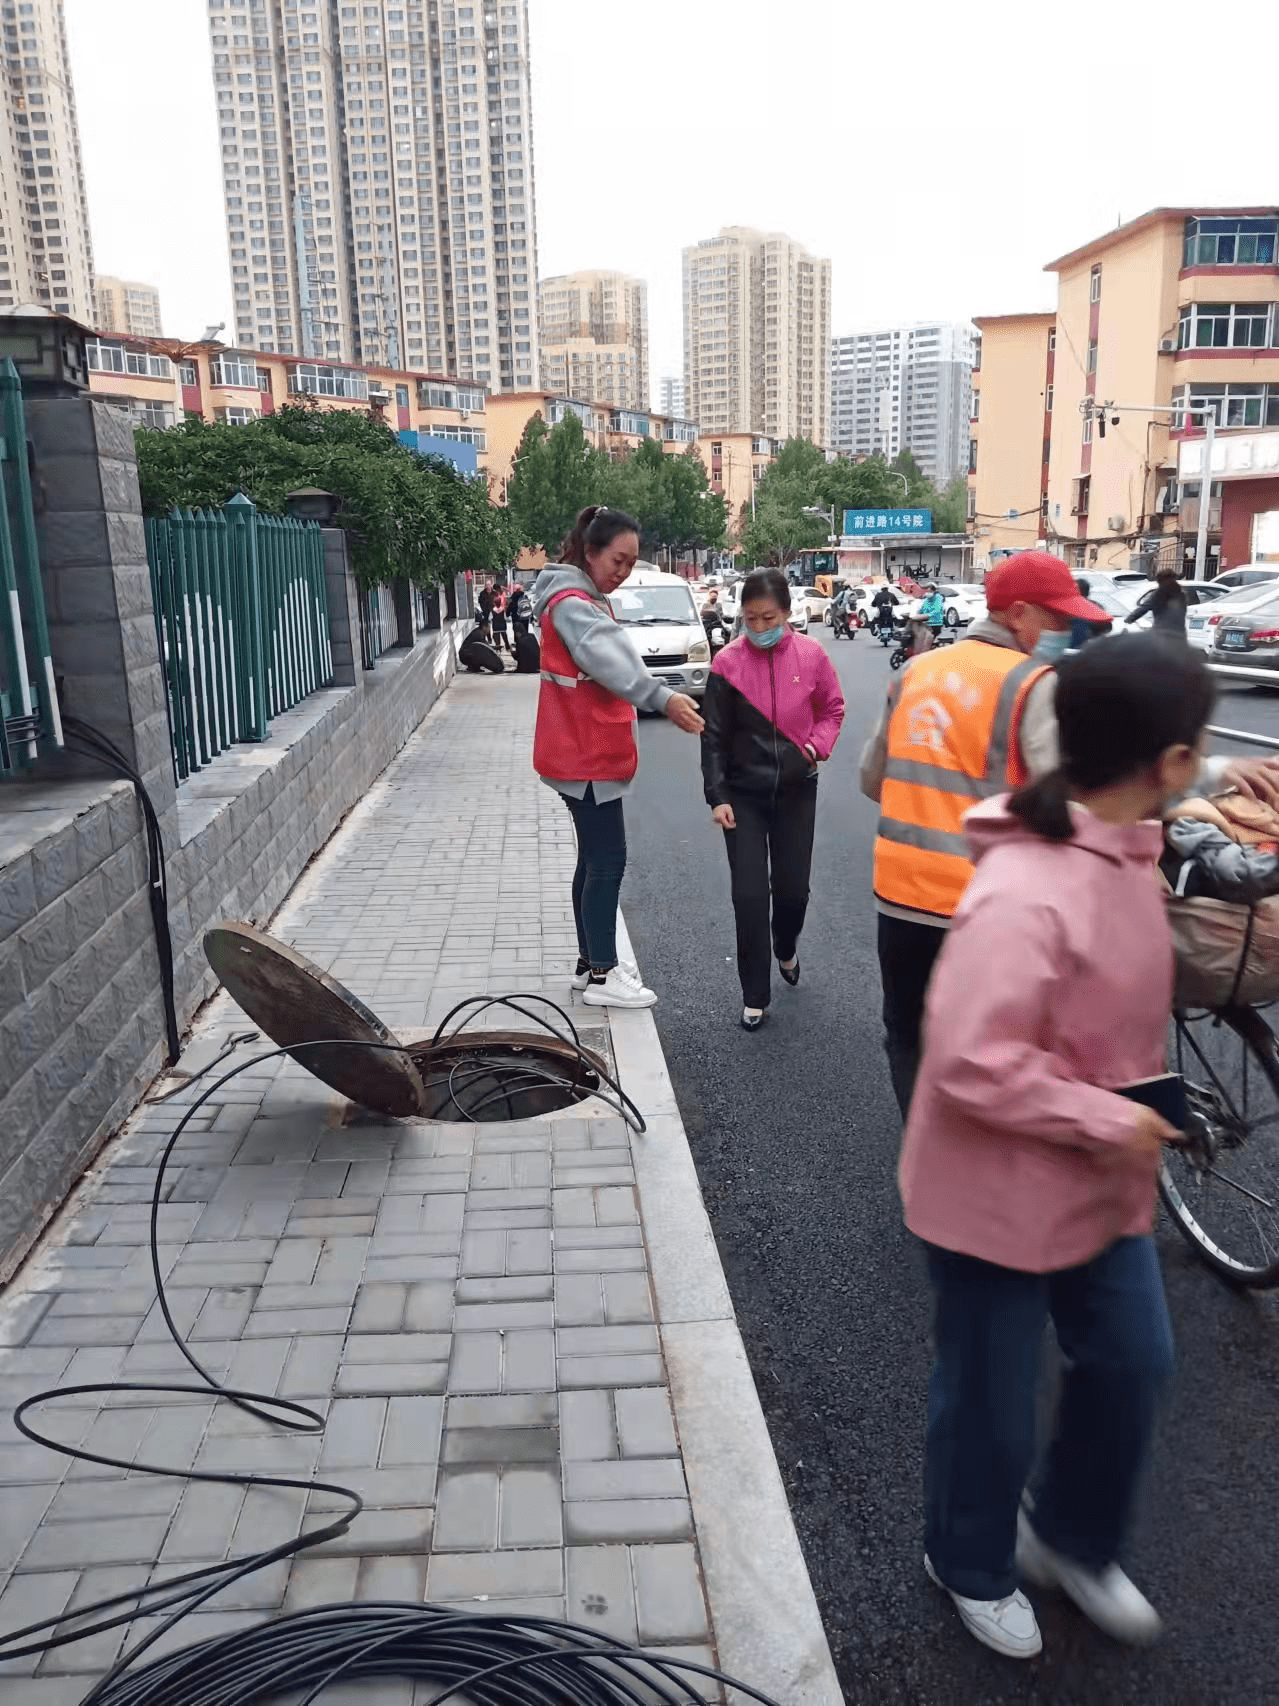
[(1222, 1189)]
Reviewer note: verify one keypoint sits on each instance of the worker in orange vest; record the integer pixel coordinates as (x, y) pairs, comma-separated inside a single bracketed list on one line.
[(958, 727)]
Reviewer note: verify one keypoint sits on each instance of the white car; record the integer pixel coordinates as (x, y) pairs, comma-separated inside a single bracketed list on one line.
[(663, 617), (1246, 575), (1202, 620), (864, 601), (963, 603), (813, 599)]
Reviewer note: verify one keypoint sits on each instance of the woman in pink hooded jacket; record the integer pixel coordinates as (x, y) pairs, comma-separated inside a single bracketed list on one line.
[(1029, 1178)]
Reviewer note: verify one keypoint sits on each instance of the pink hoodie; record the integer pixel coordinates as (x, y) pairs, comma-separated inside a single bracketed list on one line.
[(1054, 986)]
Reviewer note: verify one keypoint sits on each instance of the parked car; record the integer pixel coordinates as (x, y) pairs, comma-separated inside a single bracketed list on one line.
[(664, 618), (1204, 619), (864, 598), (1247, 574), (961, 601), (1249, 637), (814, 600)]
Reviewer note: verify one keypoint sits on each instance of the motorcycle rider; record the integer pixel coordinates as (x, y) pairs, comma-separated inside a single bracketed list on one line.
[(931, 620), (884, 604)]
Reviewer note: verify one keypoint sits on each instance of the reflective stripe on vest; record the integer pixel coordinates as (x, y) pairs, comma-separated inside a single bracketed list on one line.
[(562, 680), (967, 707)]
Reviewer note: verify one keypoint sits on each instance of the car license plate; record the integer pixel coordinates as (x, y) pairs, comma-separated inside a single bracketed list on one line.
[(1235, 641)]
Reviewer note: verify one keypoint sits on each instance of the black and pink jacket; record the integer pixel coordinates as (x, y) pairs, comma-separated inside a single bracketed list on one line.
[(762, 708)]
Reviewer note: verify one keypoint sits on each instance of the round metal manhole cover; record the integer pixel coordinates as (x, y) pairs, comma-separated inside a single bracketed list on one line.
[(295, 1003)]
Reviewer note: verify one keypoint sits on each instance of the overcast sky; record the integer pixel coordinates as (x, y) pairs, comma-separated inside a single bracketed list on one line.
[(940, 154)]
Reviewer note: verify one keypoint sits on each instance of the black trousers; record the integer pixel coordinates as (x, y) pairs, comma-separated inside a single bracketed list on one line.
[(770, 854), (907, 952)]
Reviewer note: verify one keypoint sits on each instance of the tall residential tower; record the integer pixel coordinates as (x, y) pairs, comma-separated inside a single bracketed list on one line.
[(46, 255), (909, 388), (594, 328), (124, 305), (757, 336), (378, 173)]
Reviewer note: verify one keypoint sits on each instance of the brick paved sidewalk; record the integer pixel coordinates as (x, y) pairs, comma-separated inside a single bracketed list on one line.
[(472, 1307)]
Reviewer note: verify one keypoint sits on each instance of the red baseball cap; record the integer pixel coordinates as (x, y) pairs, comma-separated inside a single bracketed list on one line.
[(1038, 578)]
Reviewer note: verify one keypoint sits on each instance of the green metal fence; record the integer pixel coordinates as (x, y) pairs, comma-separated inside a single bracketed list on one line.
[(242, 617), (28, 698)]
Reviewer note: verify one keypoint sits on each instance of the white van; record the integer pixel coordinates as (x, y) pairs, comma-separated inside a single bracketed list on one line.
[(663, 618)]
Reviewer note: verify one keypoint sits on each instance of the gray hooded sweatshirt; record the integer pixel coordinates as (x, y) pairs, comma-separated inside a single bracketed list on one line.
[(602, 649)]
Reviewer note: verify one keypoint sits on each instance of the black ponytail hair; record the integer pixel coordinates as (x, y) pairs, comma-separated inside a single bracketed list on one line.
[(1121, 702), (594, 530)]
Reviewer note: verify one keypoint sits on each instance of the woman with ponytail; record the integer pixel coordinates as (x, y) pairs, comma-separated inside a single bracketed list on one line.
[(593, 680), (1027, 1173)]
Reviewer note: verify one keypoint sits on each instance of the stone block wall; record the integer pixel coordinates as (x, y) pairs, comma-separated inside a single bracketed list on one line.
[(81, 1015)]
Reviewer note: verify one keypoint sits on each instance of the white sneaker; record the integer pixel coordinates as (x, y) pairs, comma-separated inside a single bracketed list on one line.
[(619, 989), (581, 979), (1006, 1625), (1106, 1597)]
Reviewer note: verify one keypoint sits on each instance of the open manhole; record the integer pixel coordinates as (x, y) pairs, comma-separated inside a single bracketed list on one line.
[(461, 1073)]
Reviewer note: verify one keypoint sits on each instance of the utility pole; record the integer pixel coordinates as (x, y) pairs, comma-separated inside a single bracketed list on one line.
[(1205, 493)]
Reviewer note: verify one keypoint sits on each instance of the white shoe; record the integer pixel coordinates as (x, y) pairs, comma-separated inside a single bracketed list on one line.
[(619, 989), (1006, 1625), (580, 979), (1106, 1596)]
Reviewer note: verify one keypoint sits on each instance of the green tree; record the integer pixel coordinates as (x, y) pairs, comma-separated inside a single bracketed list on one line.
[(950, 508), (406, 514), (556, 474)]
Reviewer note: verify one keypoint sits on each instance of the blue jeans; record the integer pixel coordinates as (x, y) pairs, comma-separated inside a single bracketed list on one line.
[(597, 881), (1112, 1325)]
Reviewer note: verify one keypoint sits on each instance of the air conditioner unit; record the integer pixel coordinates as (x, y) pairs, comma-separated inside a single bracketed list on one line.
[(1115, 523), (1167, 346), (465, 414)]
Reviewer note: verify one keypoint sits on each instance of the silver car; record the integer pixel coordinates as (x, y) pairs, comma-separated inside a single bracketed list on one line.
[(1251, 637)]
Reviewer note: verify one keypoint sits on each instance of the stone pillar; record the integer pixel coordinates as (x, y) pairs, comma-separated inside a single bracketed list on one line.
[(93, 562), (344, 608)]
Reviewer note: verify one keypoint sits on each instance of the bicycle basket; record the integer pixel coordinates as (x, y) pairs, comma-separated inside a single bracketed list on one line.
[(1226, 954)]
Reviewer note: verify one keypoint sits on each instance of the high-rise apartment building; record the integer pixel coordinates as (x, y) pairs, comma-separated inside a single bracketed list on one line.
[(757, 336), (909, 388), (670, 395), (378, 174), (123, 305), (594, 332), (46, 254)]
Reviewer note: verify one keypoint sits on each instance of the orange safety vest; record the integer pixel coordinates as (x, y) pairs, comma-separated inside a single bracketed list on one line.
[(584, 733), (952, 741)]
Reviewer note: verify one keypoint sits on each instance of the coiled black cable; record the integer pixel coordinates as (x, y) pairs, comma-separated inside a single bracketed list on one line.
[(495, 1661)]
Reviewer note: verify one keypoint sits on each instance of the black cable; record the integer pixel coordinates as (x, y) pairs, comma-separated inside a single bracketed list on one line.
[(92, 743), (495, 1661)]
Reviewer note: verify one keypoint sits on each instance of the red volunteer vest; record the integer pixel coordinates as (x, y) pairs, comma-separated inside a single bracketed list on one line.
[(584, 732)]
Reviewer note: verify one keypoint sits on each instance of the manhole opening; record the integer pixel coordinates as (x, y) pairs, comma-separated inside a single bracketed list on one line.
[(500, 1076)]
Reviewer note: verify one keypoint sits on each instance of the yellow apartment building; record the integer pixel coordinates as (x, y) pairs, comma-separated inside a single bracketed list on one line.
[(1175, 310), (1010, 433), (162, 380)]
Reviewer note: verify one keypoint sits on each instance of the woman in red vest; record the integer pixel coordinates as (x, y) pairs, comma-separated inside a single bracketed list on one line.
[(593, 678)]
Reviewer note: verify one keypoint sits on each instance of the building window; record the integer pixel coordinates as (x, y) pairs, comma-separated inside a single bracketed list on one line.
[(189, 373), (1237, 405), (329, 381), (1079, 494), (236, 370), (236, 416), (153, 414), (115, 358), (1048, 400), (1091, 359), (972, 455), (1087, 432), (1094, 285), (1230, 242), (972, 503), (1227, 325)]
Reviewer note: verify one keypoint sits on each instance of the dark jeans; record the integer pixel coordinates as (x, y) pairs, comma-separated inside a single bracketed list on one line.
[(597, 881), (907, 952), (1112, 1325), (769, 854)]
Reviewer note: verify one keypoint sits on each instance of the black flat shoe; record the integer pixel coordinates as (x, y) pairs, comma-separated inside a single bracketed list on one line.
[(753, 1021), (791, 976)]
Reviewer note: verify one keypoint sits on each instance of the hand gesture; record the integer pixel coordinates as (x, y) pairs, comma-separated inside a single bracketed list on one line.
[(1258, 778), (683, 712), (723, 816)]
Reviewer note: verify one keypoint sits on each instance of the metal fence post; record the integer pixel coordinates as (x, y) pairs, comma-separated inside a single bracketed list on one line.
[(242, 528)]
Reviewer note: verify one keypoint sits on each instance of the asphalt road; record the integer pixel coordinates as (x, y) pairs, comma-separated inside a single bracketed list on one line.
[(795, 1136)]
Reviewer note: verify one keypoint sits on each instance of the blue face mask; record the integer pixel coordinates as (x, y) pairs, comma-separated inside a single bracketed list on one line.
[(768, 639), (1052, 646)]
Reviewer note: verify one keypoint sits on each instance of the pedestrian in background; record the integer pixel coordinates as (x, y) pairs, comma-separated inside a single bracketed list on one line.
[(1166, 603), (500, 640), (1081, 629), (593, 679), (1028, 1174), (484, 604), (773, 711)]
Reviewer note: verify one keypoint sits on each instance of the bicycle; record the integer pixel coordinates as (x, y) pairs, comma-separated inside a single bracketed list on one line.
[(1221, 1187)]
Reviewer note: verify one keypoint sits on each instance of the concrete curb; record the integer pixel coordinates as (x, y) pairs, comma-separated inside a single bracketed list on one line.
[(764, 1615)]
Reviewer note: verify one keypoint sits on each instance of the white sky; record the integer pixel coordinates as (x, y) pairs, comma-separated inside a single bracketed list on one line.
[(940, 154)]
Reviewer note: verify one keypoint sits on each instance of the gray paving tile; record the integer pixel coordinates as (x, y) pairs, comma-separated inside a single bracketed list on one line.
[(466, 1510), (607, 1341), (529, 1508), (500, 1316), (587, 1429), (412, 1432), (501, 1445), (601, 1594), (628, 1478), (379, 1309), (580, 1371), (454, 1576), (668, 1591), (645, 1425), (394, 1377), (514, 1410), (592, 1521)]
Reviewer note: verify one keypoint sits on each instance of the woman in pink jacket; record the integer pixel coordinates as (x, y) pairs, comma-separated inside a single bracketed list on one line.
[(1029, 1177), (773, 713)]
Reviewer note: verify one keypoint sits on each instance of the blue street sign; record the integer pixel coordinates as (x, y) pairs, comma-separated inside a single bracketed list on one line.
[(885, 521)]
